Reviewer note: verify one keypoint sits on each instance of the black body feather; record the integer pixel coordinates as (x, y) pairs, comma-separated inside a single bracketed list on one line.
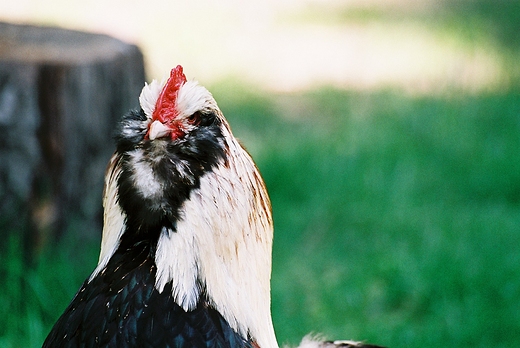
[(121, 307)]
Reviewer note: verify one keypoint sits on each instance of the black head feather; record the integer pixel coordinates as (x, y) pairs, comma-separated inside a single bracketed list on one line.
[(173, 166)]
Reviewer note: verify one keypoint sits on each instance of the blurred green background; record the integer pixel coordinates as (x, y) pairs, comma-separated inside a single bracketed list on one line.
[(388, 137)]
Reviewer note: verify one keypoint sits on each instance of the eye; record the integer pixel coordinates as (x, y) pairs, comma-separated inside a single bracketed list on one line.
[(194, 119)]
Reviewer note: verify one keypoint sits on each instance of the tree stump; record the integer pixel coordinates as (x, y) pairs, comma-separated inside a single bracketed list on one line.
[(61, 95)]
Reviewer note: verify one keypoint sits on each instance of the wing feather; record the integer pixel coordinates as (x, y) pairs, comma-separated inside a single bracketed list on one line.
[(113, 217)]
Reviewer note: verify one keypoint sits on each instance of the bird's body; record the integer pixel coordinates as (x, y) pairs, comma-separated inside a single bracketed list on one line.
[(186, 251), (122, 308)]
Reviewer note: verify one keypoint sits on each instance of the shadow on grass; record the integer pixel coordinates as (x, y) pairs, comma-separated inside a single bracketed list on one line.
[(501, 18)]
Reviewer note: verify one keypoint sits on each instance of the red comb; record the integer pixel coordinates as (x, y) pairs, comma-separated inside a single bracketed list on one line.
[(165, 105)]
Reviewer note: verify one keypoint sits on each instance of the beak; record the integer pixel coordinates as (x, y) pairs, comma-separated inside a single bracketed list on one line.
[(158, 130)]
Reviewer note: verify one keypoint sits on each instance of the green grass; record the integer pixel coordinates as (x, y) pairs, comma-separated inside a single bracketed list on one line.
[(33, 296)]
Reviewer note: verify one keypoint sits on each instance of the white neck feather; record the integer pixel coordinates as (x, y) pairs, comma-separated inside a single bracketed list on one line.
[(224, 241)]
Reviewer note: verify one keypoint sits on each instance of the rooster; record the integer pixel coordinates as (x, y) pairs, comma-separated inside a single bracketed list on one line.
[(185, 255)]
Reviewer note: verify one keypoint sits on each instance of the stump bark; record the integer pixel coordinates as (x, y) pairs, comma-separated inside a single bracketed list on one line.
[(61, 95)]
